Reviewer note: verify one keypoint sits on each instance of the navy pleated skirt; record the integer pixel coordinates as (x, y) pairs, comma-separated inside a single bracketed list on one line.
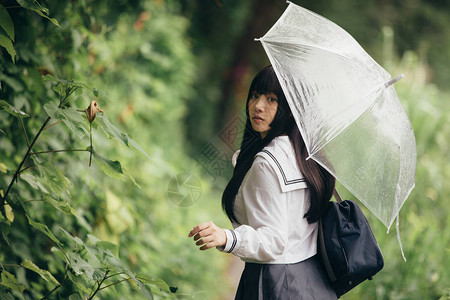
[(303, 280)]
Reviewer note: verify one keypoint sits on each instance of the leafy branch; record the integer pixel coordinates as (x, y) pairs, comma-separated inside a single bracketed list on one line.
[(99, 283), (17, 172), (90, 260), (62, 150), (105, 277), (56, 123), (7, 40), (63, 99), (27, 264), (24, 131)]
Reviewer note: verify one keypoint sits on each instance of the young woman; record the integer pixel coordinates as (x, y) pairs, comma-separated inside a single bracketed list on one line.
[(274, 200)]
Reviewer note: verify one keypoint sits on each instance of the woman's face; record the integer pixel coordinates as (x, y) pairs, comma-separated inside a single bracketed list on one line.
[(262, 109)]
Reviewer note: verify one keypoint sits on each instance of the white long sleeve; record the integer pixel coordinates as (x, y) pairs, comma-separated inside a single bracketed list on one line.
[(265, 236)]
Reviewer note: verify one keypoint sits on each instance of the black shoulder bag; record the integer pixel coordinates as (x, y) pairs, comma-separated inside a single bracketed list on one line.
[(347, 246)]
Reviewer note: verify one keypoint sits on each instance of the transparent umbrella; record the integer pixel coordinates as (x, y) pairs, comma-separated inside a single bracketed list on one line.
[(346, 108)]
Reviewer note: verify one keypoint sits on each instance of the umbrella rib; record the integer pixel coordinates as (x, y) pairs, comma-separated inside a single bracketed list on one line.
[(381, 87), (364, 101), (264, 40)]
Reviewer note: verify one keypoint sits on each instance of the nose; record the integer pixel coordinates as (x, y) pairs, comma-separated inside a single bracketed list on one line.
[(261, 102)]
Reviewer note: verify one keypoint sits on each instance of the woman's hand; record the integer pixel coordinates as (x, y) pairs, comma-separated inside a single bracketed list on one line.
[(209, 235)]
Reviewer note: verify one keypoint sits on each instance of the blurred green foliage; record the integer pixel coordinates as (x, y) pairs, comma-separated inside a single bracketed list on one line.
[(136, 59), (159, 70)]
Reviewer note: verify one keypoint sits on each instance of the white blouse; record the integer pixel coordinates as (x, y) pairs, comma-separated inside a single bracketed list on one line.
[(270, 205)]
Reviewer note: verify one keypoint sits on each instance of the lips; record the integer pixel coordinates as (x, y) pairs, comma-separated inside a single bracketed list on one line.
[(257, 119)]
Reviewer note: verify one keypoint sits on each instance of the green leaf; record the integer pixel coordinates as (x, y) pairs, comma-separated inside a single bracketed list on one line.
[(9, 212), (93, 257), (58, 253), (44, 229), (46, 275), (6, 23), (155, 282), (79, 91), (10, 281), (51, 178), (72, 118), (34, 182), (93, 239), (2, 132), (12, 81), (142, 288), (138, 147), (97, 93), (60, 204), (39, 9), (108, 246), (109, 167), (127, 174), (7, 296), (3, 168), (29, 4), (2, 218), (49, 77), (113, 132), (80, 266), (42, 14), (12, 110), (113, 168), (7, 43), (74, 239), (95, 260), (112, 262), (75, 297), (78, 284), (65, 83)]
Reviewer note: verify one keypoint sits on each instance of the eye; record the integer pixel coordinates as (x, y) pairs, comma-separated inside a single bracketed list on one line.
[(255, 95), (273, 99)]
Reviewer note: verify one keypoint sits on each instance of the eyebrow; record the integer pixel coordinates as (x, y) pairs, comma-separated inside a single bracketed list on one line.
[(264, 92)]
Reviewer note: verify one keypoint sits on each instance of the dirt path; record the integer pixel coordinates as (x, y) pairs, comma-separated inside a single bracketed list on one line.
[(233, 274)]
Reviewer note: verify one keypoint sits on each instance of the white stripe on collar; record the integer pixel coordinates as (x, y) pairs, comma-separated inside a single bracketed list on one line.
[(281, 155)]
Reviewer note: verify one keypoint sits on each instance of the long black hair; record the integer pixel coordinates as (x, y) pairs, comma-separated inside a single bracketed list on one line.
[(319, 181)]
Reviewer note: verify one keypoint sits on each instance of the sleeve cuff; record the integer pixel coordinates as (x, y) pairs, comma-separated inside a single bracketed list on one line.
[(232, 241)]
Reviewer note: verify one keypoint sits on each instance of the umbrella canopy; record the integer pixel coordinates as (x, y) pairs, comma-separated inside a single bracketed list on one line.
[(346, 108)]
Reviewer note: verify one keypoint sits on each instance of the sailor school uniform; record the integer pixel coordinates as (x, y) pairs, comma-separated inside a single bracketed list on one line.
[(270, 205), (274, 239)]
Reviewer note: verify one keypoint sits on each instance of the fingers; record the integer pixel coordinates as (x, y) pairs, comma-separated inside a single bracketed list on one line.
[(204, 240), (207, 241), (199, 228), (206, 247), (202, 234), (205, 234)]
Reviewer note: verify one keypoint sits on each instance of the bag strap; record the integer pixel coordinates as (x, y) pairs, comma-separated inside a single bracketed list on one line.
[(324, 254), (337, 196), (323, 250)]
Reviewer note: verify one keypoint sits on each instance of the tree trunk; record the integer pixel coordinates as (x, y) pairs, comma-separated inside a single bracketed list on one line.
[(247, 53)]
